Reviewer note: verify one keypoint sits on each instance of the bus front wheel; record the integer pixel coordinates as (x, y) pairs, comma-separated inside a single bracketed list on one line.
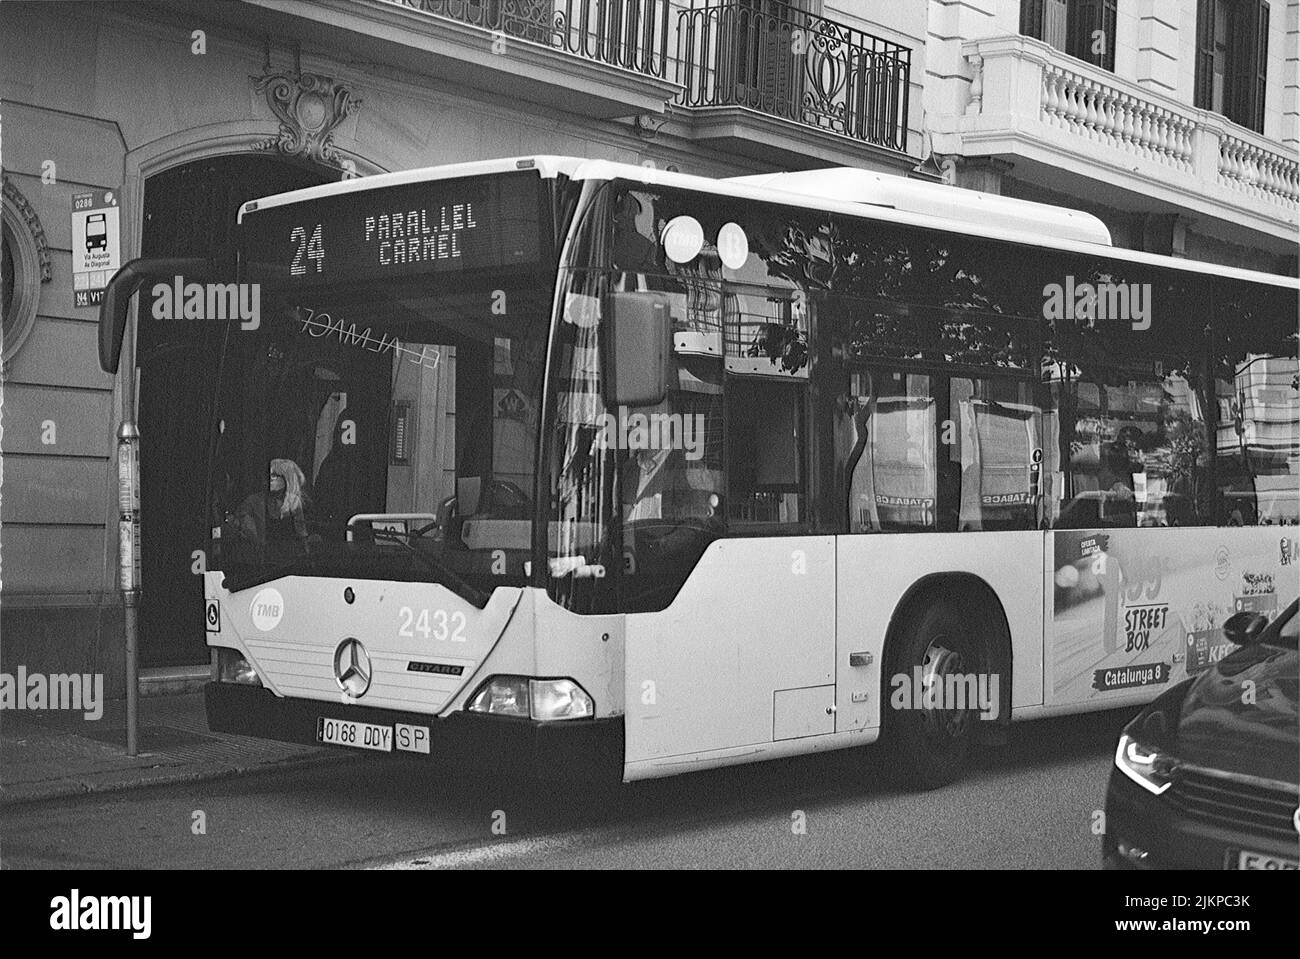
[(930, 723)]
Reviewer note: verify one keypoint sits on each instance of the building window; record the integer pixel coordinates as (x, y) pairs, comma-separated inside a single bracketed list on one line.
[(8, 272), (1232, 59), (769, 72), (1081, 28), (24, 266)]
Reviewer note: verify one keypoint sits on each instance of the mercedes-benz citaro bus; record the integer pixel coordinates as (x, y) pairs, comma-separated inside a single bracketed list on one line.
[(580, 468)]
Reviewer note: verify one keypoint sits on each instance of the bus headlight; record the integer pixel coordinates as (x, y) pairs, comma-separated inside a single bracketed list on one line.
[(502, 696), (560, 699), (1142, 764), (232, 667), (544, 700)]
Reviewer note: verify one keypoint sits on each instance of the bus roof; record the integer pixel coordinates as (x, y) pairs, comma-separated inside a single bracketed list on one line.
[(548, 167), (847, 191), (920, 196)]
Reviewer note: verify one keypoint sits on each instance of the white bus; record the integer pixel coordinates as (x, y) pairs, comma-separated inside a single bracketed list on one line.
[(580, 468)]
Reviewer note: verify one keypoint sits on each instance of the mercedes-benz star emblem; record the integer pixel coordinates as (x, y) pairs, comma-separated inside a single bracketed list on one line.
[(352, 668)]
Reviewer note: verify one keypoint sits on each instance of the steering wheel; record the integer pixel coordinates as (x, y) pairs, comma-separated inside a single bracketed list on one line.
[(672, 535), (498, 490)]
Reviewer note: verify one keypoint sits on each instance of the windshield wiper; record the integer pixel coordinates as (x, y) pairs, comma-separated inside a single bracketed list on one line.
[(449, 576)]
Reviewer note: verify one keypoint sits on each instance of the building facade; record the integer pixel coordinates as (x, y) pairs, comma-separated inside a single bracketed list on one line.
[(1177, 122), (169, 115)]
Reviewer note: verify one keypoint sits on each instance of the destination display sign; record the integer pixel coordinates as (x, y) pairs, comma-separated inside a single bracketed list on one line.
[(475, 223)]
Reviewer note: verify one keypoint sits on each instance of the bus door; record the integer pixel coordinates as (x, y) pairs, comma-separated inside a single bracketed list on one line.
[(741, 662)]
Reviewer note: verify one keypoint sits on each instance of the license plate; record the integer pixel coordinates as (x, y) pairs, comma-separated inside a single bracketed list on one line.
[(1262, 860), (413, 739), (345, 732)]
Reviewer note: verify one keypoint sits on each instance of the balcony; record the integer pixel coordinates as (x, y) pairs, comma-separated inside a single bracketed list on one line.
[(777, 61), (631, 34), (1074, 128), (601, 59), (750, 77)]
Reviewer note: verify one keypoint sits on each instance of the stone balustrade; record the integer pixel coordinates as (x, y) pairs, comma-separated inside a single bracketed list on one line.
[(1027, 101)]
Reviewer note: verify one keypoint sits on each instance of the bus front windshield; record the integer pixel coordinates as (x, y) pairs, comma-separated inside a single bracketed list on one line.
[(381, 430)]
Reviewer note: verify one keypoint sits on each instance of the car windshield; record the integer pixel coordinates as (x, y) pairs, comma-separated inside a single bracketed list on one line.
[(383, 430)]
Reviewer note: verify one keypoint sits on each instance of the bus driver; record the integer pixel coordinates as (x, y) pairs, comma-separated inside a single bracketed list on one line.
[(273, 520)]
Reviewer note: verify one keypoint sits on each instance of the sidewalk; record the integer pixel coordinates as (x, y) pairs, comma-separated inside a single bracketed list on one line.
[(50, 754)]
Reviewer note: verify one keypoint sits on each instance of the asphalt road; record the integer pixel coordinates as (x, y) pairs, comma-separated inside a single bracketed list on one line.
[(1029, 805)]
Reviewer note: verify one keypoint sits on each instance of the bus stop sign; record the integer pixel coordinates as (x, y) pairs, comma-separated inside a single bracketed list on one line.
[(96, 245)]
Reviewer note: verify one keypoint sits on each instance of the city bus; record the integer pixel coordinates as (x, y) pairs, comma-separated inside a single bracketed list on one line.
[(591, 470)]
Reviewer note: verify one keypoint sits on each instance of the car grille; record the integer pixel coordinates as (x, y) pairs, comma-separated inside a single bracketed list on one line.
[(1255, 808)]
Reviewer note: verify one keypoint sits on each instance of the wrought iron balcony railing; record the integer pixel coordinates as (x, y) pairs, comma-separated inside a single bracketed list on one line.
[(632, 34), (783, 61), (766, 55)]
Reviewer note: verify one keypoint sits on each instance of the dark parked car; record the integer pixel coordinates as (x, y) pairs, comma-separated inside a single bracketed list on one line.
[(1208, 775)]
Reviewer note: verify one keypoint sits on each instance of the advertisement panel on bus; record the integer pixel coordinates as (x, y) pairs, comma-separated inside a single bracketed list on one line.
[(1136, 608)]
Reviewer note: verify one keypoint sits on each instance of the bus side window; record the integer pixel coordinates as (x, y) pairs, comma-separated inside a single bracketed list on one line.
[(1258, 444), (765, 463), (1257, 399), (1135, 449), (893, 480), (996, 438)]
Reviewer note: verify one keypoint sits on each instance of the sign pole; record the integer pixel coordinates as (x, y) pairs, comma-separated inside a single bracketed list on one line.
[(128, 539)]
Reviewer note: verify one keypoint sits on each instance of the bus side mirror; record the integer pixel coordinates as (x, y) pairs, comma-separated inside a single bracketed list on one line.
[(124, 285), (1244, 628), (636, 343)]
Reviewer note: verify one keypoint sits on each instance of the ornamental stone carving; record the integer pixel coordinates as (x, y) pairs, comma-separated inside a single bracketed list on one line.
[(34, 228), (309, 107)]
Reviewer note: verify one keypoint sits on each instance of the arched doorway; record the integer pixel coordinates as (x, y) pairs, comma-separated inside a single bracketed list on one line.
[(189, 211)]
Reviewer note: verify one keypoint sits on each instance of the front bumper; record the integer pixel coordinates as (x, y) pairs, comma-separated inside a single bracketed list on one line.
[(583, 750), (1172, 839)]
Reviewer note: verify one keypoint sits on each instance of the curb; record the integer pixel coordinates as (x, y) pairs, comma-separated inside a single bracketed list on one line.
[(23, 794)]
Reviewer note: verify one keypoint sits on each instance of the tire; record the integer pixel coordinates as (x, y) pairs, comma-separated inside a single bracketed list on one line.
[(931, 747)]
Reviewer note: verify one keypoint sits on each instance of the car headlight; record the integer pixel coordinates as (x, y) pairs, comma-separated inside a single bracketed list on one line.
[(232, 667), (545, 700), (1147, 767)]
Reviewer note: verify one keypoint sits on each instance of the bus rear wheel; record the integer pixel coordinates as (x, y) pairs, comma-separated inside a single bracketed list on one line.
[(929, 739)]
